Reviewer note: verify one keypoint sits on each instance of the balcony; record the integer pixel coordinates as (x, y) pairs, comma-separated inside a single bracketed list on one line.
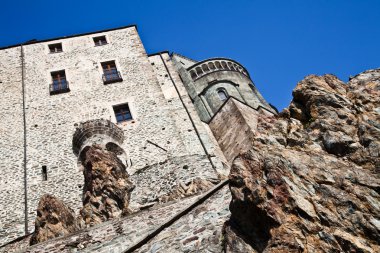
[(111, 76), (208, 66), (59, 86)]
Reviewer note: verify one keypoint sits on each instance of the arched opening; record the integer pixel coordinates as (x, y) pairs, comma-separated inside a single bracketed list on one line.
[(82, 156), (231, 66), (211, 66), (224, 65), (218, 66), (199, 71), (205, 68), (223, 96), (119, 152), (193, 74)]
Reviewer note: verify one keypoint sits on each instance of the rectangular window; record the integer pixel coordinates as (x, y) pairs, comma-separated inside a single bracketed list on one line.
[(59, 83), (55, 48), (110, 73), (122, 113), (100, 41), (44, 173)]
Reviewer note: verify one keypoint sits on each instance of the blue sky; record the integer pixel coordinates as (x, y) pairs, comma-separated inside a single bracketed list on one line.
[(279, 42)]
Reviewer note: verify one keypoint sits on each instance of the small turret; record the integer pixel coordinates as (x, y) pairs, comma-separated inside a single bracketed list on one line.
[(211, 82)]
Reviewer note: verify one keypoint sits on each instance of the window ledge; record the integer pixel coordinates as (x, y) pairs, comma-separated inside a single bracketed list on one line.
[(126, 122), (112, 81), (101, 45), (55, 92)]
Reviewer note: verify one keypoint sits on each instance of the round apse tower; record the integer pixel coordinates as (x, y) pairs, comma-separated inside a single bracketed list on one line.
[(211, 82)]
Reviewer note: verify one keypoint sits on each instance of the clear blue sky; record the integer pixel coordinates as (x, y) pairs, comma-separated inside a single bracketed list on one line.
[(279, 42)]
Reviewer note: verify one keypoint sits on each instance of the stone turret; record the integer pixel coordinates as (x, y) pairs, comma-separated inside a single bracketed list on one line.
[(212, 81)]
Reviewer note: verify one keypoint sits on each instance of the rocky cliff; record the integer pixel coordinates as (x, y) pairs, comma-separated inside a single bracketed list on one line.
[(311, 181)]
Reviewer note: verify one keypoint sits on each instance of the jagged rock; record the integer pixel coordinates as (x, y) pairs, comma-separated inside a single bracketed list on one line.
[(316, 187), (107, 188), (54, 219)]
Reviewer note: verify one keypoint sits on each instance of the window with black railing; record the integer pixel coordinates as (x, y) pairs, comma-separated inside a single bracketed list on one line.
[(59, 84), (110, 73)]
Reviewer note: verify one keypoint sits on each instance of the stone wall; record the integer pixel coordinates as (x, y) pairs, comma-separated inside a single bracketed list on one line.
[(160, 129), (197, 229), (233, 127), (162, 63), (11, 146)]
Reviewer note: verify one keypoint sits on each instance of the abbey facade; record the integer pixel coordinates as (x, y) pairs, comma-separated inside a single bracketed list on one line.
[(170, 119)]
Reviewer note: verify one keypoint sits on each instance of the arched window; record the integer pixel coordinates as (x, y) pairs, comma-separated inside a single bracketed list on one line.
[(193, 74), (199, 71), (205, 68), (222, 94), (217, 64), (211, 65), (231, 66)]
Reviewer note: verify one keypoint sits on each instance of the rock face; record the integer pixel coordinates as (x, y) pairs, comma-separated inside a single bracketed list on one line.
[(311, 183), (54, 219), (107, 188)]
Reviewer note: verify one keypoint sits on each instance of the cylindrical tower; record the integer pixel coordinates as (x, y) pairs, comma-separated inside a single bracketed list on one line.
[(211, 82)]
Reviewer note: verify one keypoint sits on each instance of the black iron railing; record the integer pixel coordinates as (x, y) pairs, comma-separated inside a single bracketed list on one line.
[(111, 76), (59, 86)]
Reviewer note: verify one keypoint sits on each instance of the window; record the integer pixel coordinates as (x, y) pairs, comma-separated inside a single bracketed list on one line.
[(122, 113), (44, 173), (100, 41), (59, 84), (110, 73), (55, 48), (222, 95)]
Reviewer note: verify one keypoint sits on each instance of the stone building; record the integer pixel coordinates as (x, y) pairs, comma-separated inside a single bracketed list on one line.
[(166, 116)]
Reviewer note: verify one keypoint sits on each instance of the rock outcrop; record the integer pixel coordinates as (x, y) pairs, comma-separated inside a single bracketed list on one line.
[(106, 195), (311, 181), (107, 187), (54, 219)]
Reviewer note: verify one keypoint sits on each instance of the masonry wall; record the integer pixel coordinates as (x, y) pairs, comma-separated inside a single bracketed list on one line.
[(199, 230), (11, 146), (159, 133), (233, 127), (162, 63)]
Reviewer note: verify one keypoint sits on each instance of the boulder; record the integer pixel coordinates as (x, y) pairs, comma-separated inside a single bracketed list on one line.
[(54, 219)]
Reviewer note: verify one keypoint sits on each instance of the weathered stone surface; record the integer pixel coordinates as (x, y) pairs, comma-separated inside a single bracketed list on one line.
[(195, 186), (107, 187), (117, 235), (54, 219), (310, 183)]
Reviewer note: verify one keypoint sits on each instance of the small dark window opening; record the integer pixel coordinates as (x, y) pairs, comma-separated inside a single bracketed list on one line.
[(222, 95), (110, 73), (122, 113), (100, 41), (59, 84), (44, 173), (55, 48)]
